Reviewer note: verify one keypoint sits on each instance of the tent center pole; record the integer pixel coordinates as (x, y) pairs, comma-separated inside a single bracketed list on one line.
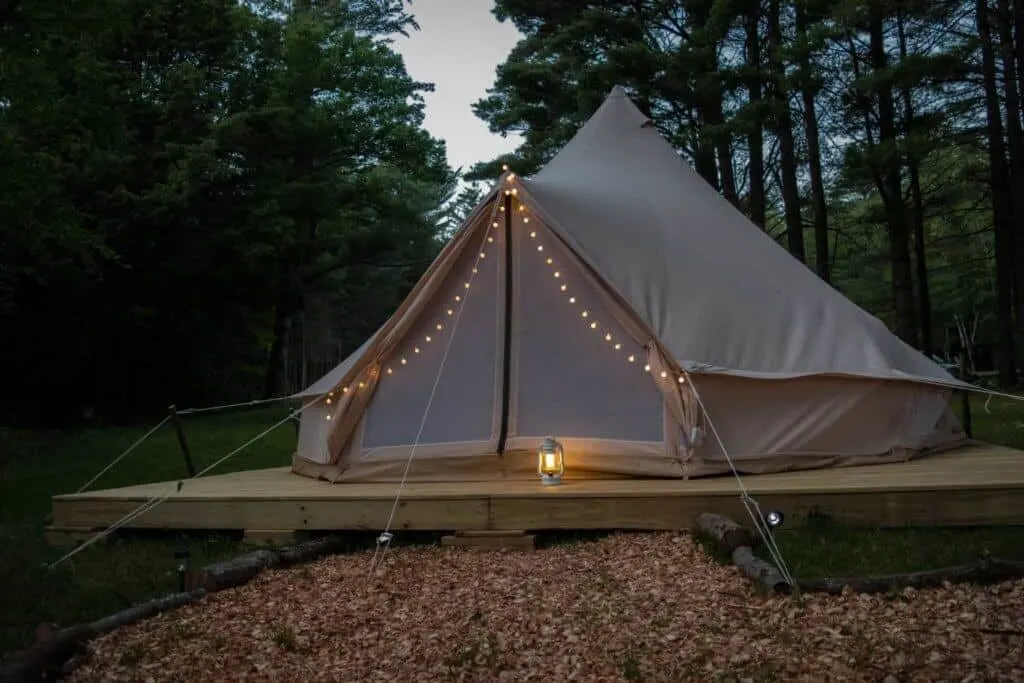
[(507, 351)]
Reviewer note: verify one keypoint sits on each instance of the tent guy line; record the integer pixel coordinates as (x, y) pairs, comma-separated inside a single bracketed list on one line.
[(384, 539), (154, 501)]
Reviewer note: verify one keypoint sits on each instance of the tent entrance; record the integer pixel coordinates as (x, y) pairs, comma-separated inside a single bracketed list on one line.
[(577, 366)]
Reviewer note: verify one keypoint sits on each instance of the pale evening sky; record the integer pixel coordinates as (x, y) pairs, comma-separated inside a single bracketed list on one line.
[(458, 47)]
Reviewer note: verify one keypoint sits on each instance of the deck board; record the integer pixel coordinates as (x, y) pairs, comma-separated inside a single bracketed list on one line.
[(977, 484)]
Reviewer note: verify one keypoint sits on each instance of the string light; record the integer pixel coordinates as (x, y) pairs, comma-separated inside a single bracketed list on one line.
[(557, 274), (450, 311)]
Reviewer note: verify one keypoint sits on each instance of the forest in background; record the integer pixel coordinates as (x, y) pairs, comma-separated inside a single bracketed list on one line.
[(183, 182)]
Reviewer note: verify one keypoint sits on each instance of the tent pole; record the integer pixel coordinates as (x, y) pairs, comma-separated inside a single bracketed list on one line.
[(965, 400), (180, 430), (507, 356)]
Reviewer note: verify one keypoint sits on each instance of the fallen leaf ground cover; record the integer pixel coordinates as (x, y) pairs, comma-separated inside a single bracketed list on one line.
[(623, 607)]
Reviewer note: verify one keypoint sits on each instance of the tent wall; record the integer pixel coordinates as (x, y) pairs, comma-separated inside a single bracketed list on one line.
[(810, 422)]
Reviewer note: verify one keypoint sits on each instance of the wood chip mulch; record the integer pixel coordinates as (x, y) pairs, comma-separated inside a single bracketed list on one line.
[(627, 607)]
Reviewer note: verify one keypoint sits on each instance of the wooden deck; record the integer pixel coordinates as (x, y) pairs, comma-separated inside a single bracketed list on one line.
[(976, 485)]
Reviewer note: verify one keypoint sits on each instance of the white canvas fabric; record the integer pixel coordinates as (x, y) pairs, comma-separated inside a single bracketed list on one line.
[(791, 373)]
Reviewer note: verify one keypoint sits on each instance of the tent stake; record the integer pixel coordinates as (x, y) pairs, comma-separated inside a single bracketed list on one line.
[(965, 401), (176, 421)]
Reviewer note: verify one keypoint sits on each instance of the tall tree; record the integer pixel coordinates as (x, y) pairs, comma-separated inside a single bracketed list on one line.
[(916, 197), (891, 185), (755, 113), (1001, 202), (781, 124), (809, 87)]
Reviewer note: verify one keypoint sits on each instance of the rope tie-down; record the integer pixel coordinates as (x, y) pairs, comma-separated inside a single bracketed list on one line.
[(383, 543), (154, 501)]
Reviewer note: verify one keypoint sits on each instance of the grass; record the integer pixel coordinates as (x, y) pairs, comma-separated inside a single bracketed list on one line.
[(34, 465)]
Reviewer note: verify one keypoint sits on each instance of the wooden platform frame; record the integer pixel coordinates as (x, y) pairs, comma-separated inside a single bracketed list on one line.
[(976, 485)]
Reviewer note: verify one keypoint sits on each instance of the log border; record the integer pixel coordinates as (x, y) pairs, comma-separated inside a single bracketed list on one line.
[(767, 579), (56, 654)]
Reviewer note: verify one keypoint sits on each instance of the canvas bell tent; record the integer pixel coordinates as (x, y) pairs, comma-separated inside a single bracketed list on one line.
[(617, 302)]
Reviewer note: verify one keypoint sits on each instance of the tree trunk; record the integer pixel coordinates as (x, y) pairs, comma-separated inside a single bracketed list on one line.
[(892, 185), (999, 180), (924, 300), (274, 383), (755, 134), (708, 95), (808, 89), (783, 128), (1018, 40), (1015, 140)]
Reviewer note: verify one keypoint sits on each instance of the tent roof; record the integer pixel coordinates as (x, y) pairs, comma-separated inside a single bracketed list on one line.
[(717, 292), (713, 287)]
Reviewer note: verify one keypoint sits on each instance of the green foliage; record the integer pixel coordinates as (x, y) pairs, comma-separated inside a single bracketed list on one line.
[(179, 176), (687, 64)]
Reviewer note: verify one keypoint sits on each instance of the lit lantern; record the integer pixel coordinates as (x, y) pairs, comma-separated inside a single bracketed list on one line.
[(550, 462)]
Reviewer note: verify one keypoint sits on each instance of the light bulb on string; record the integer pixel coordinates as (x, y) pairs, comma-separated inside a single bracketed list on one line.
[(584, 314), (415, 349), (540, 247), (428, 338), (550, 260), (664, 374), (608, 337), (344, 390), (682, 379), (490, 239), (504, 167), (593, 325), (451, 312), (564, 287), (458, 298), (533, 233), (389, 371), (618, 346), (440, 327), (526, 219), (572, 299), (558, 274), (647, 368), (404, 361), (632, 358)]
